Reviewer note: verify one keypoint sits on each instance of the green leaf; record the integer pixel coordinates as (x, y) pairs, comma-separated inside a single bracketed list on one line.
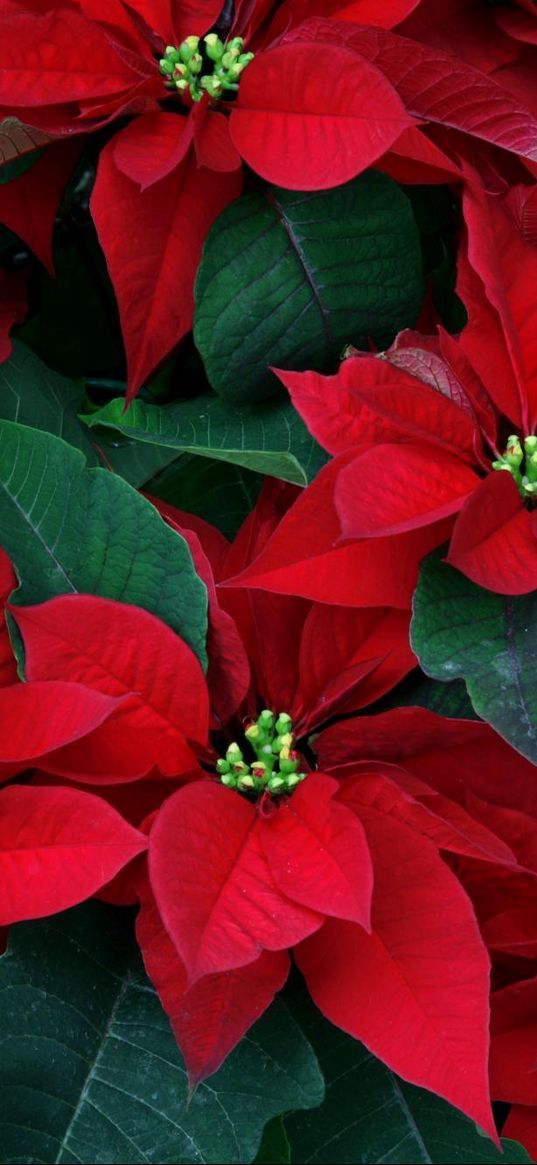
[(222, 493), (287, 279), (90, 1071), (270, 438), (274, 1148), (32, 394), (18, 166), (369, 1114), (461, 630), (70, 529), (419, 691)]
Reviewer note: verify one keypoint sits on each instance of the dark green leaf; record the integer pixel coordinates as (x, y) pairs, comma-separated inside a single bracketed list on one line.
[(287, 279), (90, 1071), (11, 170), (222, 493), (274, 1148), (32, 394), (70, 529), (270, 438), (75, 328), (369, 1114), (461, 630), (419, 691)]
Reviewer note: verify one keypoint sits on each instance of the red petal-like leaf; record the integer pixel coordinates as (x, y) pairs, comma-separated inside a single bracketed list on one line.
[(45, 716), (349, 658), (152, 240), (391, 489), (309, 128), (57, 847), (123, 651), (521, 1125), (71, 59), (303, 556), (494, 540), (435, 85), (452, 756), (424, 966), (319, 855), (212, 882), (29, 203), (210, 1018), (513, 1049), (152, 146)]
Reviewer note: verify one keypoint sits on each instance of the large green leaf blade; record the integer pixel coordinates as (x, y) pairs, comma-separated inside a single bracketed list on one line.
[(270, 438), (287, 279), (369, 1114), (69, 529), (460, 630), (35, 395), (90, 1070)]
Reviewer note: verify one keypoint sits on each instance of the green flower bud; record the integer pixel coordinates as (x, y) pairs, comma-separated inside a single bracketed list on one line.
[(246, 782), (229, 780), (292, 780), (283, 724), (222, 766), (276, 784), (172, 54), (181, 85), (233, 753), (266, 720), (253, 732), (214, 47), (166, 67)]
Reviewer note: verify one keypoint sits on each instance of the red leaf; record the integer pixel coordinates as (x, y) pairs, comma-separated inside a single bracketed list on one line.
[(424, 966), (435, 85), (71, 59), (45, 716), (318, 855), (212, 143), (373, 400), (521, 1125), (58, 846), (152, 241), (29, 203), (494, 540), (309, 128), (151, 146), (391, 489), (213, 885), (452, 756), (444, 822), (209, 1019), (349, 658), (123, 651), (303, 556), (513, 1050), (507, 266)]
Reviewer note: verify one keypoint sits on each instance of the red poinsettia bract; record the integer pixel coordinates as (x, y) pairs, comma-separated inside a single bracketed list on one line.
[(377, 867)]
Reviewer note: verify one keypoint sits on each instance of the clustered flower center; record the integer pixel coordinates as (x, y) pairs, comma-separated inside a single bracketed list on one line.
[(521, 462), (205, 66), (275, 768)]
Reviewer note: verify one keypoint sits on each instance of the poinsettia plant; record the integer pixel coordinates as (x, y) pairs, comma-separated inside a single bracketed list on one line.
[(268, 522)]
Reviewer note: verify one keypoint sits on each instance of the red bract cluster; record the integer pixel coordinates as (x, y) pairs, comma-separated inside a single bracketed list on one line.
[(274, 795)]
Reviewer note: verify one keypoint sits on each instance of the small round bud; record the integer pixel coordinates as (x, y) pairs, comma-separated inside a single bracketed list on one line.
[(246, 782), (222, 766), (229, 780), (275, 784), (233, 753), (283, 723)]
